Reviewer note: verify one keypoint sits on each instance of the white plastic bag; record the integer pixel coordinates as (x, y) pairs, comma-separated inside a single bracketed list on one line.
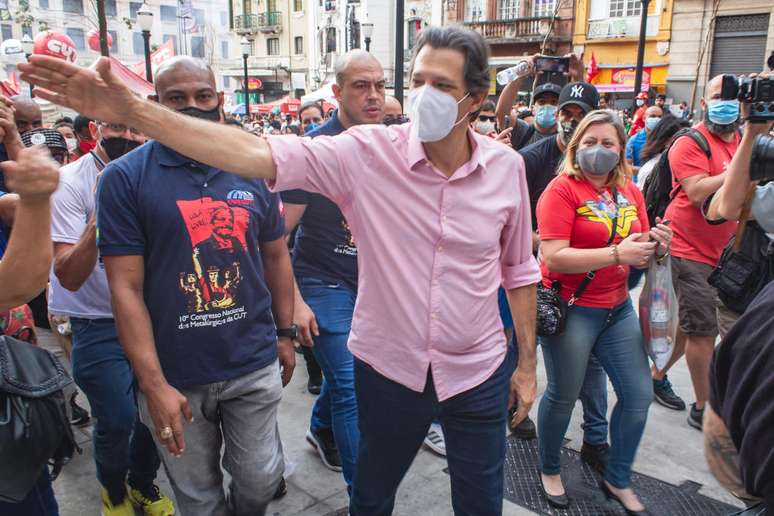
[(658, 312)]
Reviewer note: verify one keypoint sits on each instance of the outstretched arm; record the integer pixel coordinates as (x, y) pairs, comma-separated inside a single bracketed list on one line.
[(101, 95)]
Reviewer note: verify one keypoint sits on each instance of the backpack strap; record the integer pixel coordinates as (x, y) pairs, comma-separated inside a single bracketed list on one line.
[(695, 135)]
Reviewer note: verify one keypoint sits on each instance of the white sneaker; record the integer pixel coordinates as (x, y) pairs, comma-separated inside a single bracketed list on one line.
[(435, 440)]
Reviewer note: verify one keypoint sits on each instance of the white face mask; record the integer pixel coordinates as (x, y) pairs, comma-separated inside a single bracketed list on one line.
[(433, 113), (485, 128), (72, 144)]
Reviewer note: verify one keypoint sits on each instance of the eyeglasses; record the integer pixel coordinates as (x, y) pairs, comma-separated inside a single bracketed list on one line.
[(394, 120), (120, 128), (484, 118)]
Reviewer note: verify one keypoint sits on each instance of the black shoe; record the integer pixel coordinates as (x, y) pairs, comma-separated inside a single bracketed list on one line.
[(664, 395), (282, 490), (78, 415), (696, 417), (609, 495), (595, 455), (314, 385), (526, 429), (558, 502), (322, 441)]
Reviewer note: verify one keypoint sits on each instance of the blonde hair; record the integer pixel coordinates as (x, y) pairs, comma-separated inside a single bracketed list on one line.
[(569, 166)]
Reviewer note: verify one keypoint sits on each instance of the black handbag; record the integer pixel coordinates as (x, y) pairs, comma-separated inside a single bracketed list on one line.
[(34, 426), (552, 308)]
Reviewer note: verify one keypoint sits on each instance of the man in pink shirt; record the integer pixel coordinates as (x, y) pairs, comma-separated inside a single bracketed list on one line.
[(441, 217)]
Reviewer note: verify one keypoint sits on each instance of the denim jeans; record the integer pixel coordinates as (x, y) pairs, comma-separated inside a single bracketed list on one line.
[(239, 417), (614, 336), (122, 444), (39, 501), (394, 421), (336, 406)]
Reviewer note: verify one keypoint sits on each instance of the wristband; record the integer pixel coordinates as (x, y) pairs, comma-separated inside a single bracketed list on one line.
[(614, 254)]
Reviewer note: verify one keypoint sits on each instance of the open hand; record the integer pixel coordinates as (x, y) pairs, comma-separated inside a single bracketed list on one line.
[(96, 93), (8, 131)]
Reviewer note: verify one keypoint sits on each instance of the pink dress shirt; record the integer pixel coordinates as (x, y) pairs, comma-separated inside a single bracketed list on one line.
[(432, 250)]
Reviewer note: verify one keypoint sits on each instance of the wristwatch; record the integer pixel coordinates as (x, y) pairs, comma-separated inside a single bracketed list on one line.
[(289, 333)]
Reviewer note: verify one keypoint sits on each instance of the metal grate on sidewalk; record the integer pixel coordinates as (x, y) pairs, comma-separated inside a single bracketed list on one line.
[(581, 482)]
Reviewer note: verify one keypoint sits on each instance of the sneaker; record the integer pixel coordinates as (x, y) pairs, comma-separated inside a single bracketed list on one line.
[(151, 501), (282, 490), (314, 385), (435, 440), (526, 429), (664, 395), (124, 508), (595, 455), (322, 441), (696, 417), (78, 415)]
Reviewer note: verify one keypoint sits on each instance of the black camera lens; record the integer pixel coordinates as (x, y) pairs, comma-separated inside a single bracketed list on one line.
[(762, 159)]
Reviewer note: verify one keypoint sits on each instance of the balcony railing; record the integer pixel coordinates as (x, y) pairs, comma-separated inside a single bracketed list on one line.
[(263, 22), (519, 29), (270, 21)]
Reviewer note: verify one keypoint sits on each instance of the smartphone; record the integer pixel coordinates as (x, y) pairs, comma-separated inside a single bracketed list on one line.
[(552, 64)]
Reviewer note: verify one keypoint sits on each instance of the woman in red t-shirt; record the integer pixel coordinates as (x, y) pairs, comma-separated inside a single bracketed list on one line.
[(575, 218)]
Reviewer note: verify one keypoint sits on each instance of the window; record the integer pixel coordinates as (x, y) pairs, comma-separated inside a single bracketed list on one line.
[(26, 30), (224, 49), (200, 17), (173, 37), (622, 8), (545, 7), (138, 45), (299, 45), (73, 6), (110, 8), (330, 40), (272, 47), (474, 10), (114, 46), (413, 27), (271, 6), (223, 18), (7, 32), (43, 4), (508, 9), (298, 5), (169, 13), (226, 81), (133, 8), (197, 46), (77, 36)]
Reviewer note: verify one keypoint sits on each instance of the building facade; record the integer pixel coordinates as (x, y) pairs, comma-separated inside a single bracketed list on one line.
[(515, 28), (736, 39), (609, 31), (200, 30)]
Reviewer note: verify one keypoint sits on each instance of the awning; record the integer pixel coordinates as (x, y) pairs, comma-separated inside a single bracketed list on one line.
[(324, 93), (285, 105)]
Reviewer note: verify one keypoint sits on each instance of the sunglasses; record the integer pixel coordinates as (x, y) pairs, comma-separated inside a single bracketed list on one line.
[(394, 120), (484, 118)]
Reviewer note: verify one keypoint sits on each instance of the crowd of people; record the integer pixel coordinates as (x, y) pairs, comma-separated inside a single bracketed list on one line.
[(194, 253)]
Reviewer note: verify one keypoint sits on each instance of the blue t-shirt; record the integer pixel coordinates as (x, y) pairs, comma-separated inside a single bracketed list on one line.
[(634, 147), (199, 230), (324, 248)]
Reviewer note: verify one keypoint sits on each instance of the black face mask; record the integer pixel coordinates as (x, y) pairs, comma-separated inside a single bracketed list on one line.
[(117, 147), (213, 115)]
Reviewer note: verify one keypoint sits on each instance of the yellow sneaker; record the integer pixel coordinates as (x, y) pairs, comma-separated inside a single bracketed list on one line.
[(108, 509), (151, 501)]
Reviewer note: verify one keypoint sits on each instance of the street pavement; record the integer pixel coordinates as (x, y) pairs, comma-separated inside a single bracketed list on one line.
[(670, 451)]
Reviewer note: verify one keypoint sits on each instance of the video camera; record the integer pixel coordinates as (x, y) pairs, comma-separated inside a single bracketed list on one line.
[(756, 91)]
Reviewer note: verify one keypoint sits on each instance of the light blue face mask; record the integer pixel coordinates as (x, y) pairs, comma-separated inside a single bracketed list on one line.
[(652, 122), (545, 116), (723, 112)]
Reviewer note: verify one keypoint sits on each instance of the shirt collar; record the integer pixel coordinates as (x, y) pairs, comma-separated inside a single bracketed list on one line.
[(417, 155), (330, 128), (168, 157)]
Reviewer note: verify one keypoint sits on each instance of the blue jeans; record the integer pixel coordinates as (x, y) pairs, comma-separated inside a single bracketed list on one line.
[(614, 336), (121, 442), (39, 501), (336, 406), (394, 421)]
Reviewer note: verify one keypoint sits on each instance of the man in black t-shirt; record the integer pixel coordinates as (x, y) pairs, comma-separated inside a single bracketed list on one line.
[(325, 265), (544, 108)]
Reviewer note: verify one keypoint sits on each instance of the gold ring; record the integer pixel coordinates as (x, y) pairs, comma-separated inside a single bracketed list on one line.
[(166, 433)]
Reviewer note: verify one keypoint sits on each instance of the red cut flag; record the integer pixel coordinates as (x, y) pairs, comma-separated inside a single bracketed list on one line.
[(593, 69)]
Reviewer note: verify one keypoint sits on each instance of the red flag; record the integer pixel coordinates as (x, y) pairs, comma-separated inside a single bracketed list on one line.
[(593, 69)]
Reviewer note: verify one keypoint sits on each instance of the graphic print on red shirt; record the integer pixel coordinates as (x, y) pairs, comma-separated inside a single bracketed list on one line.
[(576, 211)]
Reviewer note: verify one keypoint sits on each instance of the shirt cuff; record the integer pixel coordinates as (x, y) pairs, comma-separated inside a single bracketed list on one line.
[(705, 209), (521, 275), (288, 153)]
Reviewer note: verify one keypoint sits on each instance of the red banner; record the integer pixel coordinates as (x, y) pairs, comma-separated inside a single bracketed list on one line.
[(164, 52)]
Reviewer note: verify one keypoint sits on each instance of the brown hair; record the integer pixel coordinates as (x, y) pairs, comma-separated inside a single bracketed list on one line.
[(569, 166)]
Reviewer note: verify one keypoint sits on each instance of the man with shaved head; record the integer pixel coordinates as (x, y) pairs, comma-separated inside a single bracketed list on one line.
[(27, 113), (325, 263), (393, 111), (697, 244), (199, 273)]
